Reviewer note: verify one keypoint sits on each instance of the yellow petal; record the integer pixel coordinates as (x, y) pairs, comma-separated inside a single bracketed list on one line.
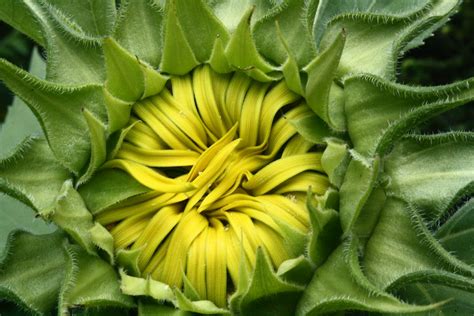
[(158, 158), (250, 114), (235, 95), (216, 277), (302, 182), (150, 178), (196, 264)]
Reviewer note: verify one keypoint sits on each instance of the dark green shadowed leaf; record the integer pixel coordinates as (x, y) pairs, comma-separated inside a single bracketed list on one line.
[(293, 30), (90, 282), (266, 293), (139, 29), (57, 106), (32, 271), (457, 234), (24, 175), (429, 170)]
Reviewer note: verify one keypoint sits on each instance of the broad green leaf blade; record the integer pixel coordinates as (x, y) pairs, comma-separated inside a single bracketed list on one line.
[(339, 285), (375, 107), (32, 271), (20, 123), (376, 40), (432, 286), (330, 9), (292, 28), (90, 282), (267, 294), (18, 15), (57, 106), (91, 19), (311, 127), (428, 171), (25, 174), (457, 234), (139, 29), (401, 245)]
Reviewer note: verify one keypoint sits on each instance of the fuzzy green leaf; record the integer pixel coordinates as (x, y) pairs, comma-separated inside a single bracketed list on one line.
[(18, 15), (32, 271), (57, 106), (457, 234), (293, 30), (24, 175), (90, 282), (429, 170), (379, 111), (139, 29)]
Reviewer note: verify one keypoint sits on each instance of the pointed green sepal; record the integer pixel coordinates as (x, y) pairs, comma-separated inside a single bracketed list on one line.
[(128, 259), (118, 111), (202, 307), (124, 76), (359, 182), (218, 59), (200, 26), (335, 160), (146, 287), (267, 294), (325, 229), (178, 56), (241, 51), (320, 86), (298, 270), (97, 134), (103, 240)]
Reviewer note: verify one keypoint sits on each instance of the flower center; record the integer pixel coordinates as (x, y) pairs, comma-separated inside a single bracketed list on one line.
[(228, 173)]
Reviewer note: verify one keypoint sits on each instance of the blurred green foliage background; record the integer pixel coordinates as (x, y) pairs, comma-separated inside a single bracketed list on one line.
[(446, 57)]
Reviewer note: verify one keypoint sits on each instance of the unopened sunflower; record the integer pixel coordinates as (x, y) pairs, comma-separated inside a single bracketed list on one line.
[(232, 157)]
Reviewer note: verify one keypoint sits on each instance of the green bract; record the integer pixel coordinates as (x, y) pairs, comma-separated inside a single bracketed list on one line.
[(231, 157)]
